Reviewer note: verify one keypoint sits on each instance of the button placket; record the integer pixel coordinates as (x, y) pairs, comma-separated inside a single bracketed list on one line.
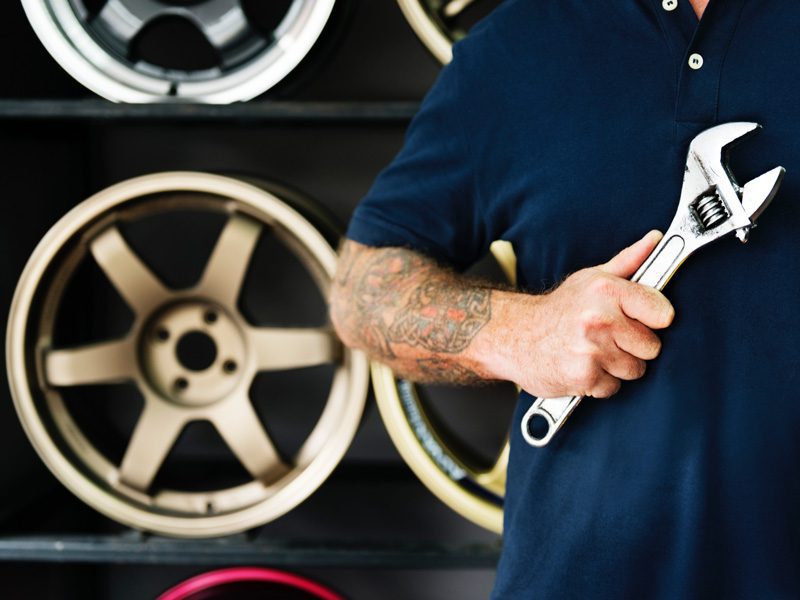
[(702, 63)]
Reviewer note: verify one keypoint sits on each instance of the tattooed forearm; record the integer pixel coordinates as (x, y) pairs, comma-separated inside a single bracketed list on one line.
[(406, 310)]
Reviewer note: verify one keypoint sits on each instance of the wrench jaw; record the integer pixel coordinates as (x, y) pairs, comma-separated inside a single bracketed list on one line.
[(713, 145), (757, 194), (716, 204)]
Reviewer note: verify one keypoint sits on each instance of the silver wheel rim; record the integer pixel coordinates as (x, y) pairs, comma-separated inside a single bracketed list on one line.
[(37, 373), (63, 27)]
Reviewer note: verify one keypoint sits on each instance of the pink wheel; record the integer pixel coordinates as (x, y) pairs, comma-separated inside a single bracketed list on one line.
[(249, 582)]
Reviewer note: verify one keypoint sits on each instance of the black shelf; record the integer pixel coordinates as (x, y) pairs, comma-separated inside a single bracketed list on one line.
[(139, 549), (268, 111)]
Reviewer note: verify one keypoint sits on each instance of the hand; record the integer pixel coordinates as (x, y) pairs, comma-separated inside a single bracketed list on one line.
[(592, 331)]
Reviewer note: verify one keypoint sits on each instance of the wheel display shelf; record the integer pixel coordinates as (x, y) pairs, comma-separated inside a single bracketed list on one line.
[(265, 111), (136, 548)]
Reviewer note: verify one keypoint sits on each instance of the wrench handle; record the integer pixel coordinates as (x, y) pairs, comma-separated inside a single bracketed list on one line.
[(661, 264), (547, 415)]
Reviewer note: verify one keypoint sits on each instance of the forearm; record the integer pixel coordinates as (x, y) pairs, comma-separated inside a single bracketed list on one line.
[(424, 321), (430, 324)]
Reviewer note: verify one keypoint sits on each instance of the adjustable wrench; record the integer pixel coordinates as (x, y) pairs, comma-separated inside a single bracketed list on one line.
[(711, 205)]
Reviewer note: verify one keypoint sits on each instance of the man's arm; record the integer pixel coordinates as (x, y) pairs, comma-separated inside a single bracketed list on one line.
[(430, 324)]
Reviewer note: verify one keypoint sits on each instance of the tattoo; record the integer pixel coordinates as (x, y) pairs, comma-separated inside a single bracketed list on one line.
[(442, 319), (445, 370), (394, 296), (385, 280)]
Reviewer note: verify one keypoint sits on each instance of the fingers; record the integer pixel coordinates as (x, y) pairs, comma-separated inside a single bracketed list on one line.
[(615, 367), (637, 340), (647, 305), (605, 387), (626, 263), (599, 373), (622, 365)]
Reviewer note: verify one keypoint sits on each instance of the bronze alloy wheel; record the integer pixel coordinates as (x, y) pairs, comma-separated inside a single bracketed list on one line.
[(473, 491), (441, 23), (160, 356)]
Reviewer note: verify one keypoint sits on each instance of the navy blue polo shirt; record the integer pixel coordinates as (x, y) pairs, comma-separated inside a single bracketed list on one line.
[(563, 127)]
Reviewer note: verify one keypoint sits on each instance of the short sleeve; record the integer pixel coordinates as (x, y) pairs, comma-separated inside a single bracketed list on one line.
[(426, 199)]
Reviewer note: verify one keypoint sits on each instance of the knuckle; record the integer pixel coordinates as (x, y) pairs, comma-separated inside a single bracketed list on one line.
[(669, 314), (585, 373), (607, 388), (591, 376), (601, 285), (592, 319), (662, 309), (637, 369), (654, 348)]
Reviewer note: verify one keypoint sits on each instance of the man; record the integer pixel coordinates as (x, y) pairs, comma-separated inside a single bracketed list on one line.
[(563, 127)]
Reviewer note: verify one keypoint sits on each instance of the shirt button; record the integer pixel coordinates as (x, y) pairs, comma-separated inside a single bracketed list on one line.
[(695, 61), (669, 4)]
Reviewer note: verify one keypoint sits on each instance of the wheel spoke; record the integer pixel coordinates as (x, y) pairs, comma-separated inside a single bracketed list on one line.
[(104, 362), (135, 282), (227, 266), (123, 20), (453, 8), (153, 437), (495, 478), (278, 349), (223, 22), (240, 427)]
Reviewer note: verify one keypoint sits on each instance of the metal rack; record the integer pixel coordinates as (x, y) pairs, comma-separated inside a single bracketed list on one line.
[(259, 111), (75, 534), (139, 549)]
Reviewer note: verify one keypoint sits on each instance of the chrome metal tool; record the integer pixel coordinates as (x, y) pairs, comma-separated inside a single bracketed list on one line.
[(711, 205)]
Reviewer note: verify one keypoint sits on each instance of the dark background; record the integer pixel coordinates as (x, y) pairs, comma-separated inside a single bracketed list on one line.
[(47, 166)]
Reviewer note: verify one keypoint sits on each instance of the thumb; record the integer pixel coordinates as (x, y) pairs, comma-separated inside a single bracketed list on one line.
[(631, 258)]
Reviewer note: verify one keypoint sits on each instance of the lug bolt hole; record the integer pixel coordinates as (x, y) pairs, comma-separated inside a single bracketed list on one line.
[(229, 366), (210, 317), (162, 334), (181, 383)]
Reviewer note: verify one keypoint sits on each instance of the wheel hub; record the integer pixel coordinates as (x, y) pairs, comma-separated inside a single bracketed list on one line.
[(193, 353)]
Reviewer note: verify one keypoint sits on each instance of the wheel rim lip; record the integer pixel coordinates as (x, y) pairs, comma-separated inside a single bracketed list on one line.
[(474, 508), (72, 47), (436, 40), (210, 580), (99, 498)]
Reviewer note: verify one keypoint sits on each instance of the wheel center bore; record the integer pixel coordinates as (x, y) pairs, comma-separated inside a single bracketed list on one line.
[(196, 351), (193, 353)]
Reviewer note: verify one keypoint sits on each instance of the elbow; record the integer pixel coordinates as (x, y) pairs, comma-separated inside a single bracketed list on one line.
[(337, 319), (342, 315)]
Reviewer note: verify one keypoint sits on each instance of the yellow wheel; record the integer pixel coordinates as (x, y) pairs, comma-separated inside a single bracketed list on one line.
[(474, 491), (441, 23)]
